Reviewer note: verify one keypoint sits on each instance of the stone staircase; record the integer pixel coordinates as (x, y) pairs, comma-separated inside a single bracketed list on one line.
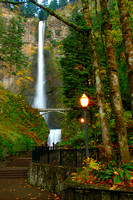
[(15, 169)]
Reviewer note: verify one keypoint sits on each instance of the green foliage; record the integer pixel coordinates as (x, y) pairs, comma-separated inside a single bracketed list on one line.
[(48, 34), (12, 43), (25, 142), (21, 126), (77, 141), (72, 135), (73, 132), (2, 39), (8, 145), (118, 173), (76, 65), (1, 139), (54, 42), (54, 5), (107, 174), (43, 15), (28, 10), (78, 77), (62, 3), (120, 54), (123, 75)]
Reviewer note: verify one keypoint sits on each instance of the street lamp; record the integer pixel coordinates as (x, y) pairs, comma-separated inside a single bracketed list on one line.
[(82, 120), (84, 101)]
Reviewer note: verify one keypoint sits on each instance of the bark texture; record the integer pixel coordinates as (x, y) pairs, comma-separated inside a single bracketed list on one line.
[(127, 38), (99, 91), (114, 85)]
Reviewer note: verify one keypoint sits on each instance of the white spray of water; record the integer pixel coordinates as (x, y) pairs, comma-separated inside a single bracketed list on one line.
[(40, 100), (54, 136)]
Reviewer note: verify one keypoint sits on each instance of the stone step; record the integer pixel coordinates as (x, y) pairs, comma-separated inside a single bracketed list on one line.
[(19, 162), (13, 172)]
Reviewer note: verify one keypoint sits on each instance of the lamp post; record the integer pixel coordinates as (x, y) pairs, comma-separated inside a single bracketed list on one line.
[(84, 101)]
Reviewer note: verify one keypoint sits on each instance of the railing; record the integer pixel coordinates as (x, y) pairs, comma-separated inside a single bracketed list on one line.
[(59, 110), (73, 157)]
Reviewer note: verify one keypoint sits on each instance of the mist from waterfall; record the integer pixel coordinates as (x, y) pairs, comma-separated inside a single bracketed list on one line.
[(40, 99)]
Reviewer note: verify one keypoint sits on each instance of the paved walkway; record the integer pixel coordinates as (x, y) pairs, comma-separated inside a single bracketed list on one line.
[(19, 189)]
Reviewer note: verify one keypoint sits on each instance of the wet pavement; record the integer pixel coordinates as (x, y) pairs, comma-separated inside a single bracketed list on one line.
[(19, 189)]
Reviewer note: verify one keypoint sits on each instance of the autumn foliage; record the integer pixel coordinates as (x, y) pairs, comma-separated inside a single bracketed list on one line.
[(110, 175)]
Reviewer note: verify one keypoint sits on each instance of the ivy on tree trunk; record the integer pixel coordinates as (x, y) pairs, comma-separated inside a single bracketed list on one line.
[(128, 44), (114, 85)]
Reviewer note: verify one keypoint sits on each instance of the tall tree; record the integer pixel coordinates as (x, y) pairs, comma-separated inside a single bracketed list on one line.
[(76, 65), (14, 43), (62, 3), (114, 85), (54, 5), (127, 38), (98, 84), (42, 15), (29, 10)]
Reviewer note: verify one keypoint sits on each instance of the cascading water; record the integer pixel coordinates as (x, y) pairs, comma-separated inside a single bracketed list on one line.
[(54, 136), (40, 100), (40, 96)]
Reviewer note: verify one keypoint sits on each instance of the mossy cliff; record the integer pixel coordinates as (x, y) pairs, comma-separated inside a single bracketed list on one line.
[(21, 126)]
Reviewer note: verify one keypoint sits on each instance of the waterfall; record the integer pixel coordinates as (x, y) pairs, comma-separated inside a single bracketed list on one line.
[(54, 136), (40, 96), (40, 99)]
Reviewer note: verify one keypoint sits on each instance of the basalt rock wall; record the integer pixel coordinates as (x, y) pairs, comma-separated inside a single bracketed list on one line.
[(29, 47)]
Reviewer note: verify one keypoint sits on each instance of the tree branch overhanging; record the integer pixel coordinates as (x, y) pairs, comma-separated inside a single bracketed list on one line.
[(13, 2), (85, 30)]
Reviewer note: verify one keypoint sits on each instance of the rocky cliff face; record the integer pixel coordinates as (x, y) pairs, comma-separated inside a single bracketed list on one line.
[(55, 32), (29, 38)]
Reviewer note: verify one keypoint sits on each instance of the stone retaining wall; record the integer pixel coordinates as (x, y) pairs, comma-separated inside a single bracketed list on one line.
[(49, 176), (84, 193), (56, 179)]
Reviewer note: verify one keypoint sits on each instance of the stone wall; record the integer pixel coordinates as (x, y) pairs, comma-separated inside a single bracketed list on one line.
[(56, 179), (79, 193), (50, 177)]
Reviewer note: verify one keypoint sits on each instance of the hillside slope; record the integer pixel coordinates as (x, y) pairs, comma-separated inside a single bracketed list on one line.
[(21, 126)]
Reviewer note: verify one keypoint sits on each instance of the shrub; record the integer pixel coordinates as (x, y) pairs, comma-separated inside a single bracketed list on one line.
[(109, 174)]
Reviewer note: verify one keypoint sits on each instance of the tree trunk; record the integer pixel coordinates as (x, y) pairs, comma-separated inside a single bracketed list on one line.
[(127, 37), (99, 91), (114, 85)]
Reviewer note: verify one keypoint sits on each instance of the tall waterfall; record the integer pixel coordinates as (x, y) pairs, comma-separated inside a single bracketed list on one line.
[(40, 96), (40, 99)]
